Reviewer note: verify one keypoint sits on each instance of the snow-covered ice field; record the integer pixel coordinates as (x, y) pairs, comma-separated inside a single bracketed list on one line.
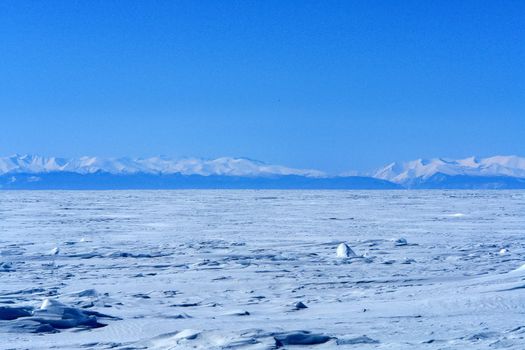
[(260, 270)]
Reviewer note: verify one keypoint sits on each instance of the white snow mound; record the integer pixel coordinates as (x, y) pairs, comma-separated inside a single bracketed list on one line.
[(344, 251)]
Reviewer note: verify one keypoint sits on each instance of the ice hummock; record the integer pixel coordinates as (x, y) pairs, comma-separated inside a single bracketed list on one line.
[(344, 251)]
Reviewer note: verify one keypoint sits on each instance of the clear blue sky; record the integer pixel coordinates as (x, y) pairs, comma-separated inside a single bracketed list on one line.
[(333, 85)]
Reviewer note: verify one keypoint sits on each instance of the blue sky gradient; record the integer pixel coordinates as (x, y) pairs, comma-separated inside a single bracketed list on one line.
[(333, 85)]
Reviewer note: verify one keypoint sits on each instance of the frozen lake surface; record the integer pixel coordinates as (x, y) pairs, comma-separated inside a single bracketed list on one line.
[(262, 270)]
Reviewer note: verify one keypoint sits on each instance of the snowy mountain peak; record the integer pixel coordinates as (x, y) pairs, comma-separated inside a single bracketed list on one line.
[(228, 166), (421, 169)]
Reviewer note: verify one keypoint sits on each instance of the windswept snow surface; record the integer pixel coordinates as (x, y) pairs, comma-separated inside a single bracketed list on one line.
[(259, 270)]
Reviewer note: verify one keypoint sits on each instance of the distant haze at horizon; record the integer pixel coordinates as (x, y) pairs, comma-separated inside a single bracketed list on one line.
[(329, 85)]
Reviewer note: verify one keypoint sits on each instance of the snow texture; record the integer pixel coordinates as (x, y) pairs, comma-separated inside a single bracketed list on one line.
[(259, 270)]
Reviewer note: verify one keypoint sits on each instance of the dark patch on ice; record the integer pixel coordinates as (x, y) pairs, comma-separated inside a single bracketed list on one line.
[(85, 305), (512, 288), (408, 261), (299, 338), (401, 317), (430, 341), (51, 317), (6, 267), (141, 295), (272, 271), (222, 278), (109, 345), (400, 242), (520, 329), (12, 313), (170, 293), (179, 316), (135, 255), (482, 336), (300, 305), (185, 305)]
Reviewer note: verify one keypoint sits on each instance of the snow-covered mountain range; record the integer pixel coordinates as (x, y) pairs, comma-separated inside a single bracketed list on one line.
[(29, 172), (34, 164), (38, 172), (421, 170)]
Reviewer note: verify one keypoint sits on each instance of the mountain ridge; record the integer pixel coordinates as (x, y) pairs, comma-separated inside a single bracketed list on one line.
[(489, 172), (39, 172), (227, 166), (512, 166)]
